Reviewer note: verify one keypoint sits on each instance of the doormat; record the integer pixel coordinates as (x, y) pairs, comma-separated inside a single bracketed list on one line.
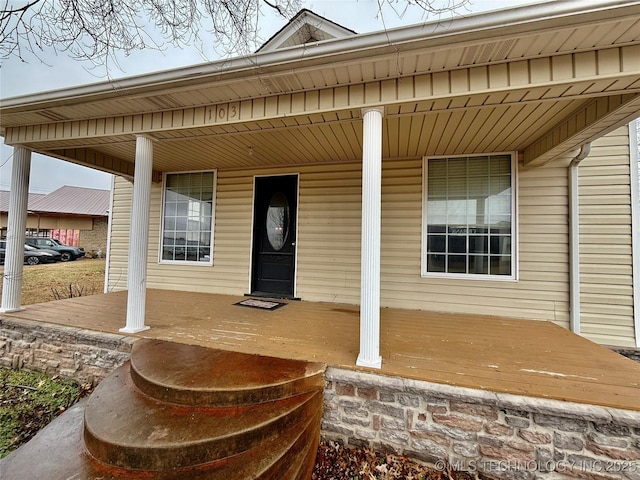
[(262, 304)]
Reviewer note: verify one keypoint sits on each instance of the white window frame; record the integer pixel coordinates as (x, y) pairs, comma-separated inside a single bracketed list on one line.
[(514, 224), (162, 215)]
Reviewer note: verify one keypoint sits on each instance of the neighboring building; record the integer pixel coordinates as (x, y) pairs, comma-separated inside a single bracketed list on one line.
[(76, 216), (427, 167)]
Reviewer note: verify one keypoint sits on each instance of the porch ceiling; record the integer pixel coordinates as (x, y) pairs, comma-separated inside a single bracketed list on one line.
[(405, 136), (410, 130)]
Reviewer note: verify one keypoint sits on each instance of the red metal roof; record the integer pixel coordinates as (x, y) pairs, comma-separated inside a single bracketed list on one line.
[(66, 200), (4, 199)]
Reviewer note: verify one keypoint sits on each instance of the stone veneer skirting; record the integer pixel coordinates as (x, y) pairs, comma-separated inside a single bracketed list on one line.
[(86, 356), (503, 435)]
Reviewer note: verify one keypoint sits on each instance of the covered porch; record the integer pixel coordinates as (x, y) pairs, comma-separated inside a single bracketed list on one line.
[(514, 356), (518, 82)]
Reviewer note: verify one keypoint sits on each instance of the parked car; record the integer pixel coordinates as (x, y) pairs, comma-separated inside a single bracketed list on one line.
[(57, 256), (32, 255), (67, 252)]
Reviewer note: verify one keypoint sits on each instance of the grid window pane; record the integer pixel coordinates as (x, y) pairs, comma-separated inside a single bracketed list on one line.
[(438, 168), (500, 165), (478, 187), (500, 265), (469, 215), (457, 244), (478, 244), (478, 167), (437, 211), (457, 187), (478, 264), (438, 187), (436, 243), (436, 263), (457, 263), (188, 211)]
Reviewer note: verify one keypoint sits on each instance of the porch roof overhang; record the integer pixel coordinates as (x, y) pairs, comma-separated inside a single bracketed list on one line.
[(538, 79)]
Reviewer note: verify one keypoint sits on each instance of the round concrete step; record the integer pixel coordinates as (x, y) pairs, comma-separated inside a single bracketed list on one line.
[(126, 428), (198, 376), (60, 453)]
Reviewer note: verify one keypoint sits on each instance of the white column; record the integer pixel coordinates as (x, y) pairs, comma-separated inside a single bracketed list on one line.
[(370, 254), (139, 236), (16, 225)]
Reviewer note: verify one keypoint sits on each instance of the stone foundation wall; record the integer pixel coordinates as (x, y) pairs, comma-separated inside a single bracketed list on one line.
[(630, 353), (84, 355), (502, 435)]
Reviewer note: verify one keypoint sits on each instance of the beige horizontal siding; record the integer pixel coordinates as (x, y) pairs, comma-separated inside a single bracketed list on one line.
[(606, 243), (541, 292), (232, 240), (328, 244), (328, 265), (329, 226), (119, 245), (329, 236)]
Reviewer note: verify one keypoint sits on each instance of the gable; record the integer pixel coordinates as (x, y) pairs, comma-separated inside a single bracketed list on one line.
[(305, 27)]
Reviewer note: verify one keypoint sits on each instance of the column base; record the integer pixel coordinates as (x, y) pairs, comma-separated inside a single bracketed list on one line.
[(11, 310), (362, 362), (134, 329)]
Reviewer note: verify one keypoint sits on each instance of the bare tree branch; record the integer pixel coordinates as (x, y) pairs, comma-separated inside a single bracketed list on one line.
[(275, 6), (99, 31), (430, 7)]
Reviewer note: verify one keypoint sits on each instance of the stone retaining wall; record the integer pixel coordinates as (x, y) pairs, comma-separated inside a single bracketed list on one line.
[(506, 436), (84, 355)]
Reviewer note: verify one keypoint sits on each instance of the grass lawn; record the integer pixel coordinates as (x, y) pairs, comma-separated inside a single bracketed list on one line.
[(28, 402), (43, 283)]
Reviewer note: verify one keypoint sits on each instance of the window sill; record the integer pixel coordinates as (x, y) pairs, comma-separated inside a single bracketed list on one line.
[(186, 263), (466, 276)]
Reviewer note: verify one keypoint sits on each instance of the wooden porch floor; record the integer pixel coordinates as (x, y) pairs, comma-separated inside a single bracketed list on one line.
[(538, 359)]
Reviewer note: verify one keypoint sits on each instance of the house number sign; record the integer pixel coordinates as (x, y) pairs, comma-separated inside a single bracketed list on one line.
[(226, 112)]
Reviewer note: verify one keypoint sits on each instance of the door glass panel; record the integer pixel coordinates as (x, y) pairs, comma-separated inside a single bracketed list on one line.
[(278, 221)]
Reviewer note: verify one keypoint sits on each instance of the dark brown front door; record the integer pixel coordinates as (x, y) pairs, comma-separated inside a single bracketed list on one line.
[(274, 235)]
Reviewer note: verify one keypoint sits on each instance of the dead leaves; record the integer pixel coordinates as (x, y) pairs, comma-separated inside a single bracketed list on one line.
[(335, 462)]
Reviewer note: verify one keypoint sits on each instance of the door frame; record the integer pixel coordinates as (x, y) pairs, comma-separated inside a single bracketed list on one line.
[(252, 232)]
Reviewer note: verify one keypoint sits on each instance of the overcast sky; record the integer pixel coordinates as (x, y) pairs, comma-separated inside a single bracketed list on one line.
[(17, 78)]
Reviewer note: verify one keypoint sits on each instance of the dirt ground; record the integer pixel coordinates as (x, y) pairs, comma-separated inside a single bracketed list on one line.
[(334, 462)]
